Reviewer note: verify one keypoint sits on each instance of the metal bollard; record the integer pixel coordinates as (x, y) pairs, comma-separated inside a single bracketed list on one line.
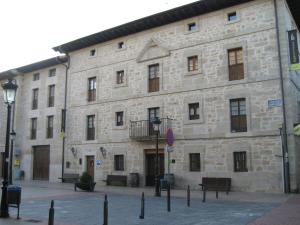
[(169, 197), (204, 195), (105, 211), (51, 214), (142, 207), (188, 196)]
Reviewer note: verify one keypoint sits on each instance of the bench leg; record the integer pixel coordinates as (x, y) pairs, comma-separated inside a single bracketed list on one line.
[(217, 195), (74, 187), (18, 217), (204, 195)]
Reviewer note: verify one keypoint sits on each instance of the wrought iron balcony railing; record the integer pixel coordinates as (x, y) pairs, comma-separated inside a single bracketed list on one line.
[(143, 129)]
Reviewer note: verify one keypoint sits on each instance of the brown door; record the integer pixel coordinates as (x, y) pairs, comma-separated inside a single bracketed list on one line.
[(90, 165), (41, 161), (150, 166)]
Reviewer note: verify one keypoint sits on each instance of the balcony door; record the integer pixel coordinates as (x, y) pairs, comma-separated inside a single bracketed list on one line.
[(152, 113)]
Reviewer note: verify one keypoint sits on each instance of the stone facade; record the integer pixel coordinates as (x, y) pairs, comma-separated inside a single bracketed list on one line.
[(169, 46)]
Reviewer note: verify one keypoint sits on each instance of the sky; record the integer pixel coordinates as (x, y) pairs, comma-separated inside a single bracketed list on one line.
[(29, 29)]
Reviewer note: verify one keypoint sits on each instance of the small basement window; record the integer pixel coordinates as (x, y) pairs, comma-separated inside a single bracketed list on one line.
[(121, 45), (232, 16), (93, 52), (192, 26)]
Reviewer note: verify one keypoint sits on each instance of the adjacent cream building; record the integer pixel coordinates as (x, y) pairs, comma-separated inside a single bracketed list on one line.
[(211, 71)]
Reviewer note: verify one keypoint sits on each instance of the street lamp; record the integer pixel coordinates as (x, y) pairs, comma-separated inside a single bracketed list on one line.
[(9, 91), (156, 124), (12, 139)]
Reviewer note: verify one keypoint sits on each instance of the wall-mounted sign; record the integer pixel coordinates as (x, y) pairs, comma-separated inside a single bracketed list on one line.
[(295, 67), (293, 46), (98, 163), (17, 162), (170, 137), (274, 103)]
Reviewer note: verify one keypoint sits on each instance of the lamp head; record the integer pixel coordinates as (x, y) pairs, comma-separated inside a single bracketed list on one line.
[(156, 123), (9, 91)]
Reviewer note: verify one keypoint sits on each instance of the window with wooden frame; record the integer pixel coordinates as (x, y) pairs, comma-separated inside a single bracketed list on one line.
[(240, 161), (92, 87), (119, 118), (194, 111), (195, 162), (153, 71), (193, 63), (90, 134), (52, 72), (50, 126), (120, 77), (35, 98), (51, 95), (119, 162), (36, 76), (238, 115), (33, 128), (236, 64)]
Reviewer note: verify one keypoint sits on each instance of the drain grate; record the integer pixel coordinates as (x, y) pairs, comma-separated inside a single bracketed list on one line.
[(33, 221)]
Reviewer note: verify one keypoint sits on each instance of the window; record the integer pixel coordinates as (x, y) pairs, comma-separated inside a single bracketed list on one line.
[(194, 111), (68, 164), (35, 96), (236, 64), (49, 127), (152, 114), (192, 63), (194, 161), (51, 94), (121, 45), (238, 115), (153, 78), (119, 118), (36, 76), (119, 162), (192, 26), (92, 89), (33, 128), (93, 52), (232, 16), (120, 77), (90, 127), (52, 72), (240, 161)]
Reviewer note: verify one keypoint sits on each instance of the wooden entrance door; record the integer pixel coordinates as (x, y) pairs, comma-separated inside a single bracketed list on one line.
[(150, 166), (41, 161), (90, 162)]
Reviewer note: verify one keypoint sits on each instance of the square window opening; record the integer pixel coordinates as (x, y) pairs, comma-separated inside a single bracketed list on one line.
[(121, 45), (192, 26), (232, 16), (93, 52)]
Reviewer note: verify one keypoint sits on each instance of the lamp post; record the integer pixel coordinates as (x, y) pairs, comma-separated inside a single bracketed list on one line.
[(156, 124), (12, 139), (9, 91)]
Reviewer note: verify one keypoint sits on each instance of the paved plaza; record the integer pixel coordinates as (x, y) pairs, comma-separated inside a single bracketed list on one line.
[(84, 208)]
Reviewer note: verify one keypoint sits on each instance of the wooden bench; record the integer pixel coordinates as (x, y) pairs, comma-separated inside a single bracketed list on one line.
[(116, 180), (70, 178), (215, 184)]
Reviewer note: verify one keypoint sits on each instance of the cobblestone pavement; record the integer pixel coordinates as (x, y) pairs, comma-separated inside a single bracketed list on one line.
[(83, 208)]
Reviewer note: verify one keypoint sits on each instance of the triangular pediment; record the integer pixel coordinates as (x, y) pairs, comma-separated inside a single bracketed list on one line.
[(153, 50)]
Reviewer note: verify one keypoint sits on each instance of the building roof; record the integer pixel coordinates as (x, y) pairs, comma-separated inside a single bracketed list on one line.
[(156, 20), (33, 67)]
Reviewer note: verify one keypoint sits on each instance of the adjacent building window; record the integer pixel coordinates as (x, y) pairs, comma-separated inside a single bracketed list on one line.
[(51, 95), (90, 127), (49, 126), (120, 77), (240, 161), (33, 128), (238, 115), (192, 26), (52, 72), (194, 111), (194, 161), (119, 118), (153, 71), (232, 16), (93, 52), (36, 76), (121, 45), (119, 162), (35, 96), (192, 63), (92, 89), (236, 64)]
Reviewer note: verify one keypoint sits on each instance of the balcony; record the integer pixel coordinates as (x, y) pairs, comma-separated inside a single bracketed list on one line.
[(143, 130)]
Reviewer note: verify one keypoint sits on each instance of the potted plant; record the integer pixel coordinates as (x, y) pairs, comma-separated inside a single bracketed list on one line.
[(86, 182)]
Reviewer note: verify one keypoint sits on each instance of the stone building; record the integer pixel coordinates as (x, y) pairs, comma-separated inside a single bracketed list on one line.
[(217, 72)]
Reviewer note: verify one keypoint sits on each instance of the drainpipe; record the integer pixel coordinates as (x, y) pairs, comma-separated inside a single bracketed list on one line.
[(64, 114), (286, 167)]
